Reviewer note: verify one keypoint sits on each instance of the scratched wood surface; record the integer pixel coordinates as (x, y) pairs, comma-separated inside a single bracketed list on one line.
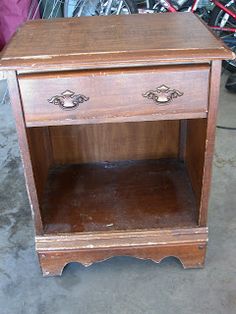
[(118, 196), (115, 95), (92, 211), (112, 41), (190, 254)]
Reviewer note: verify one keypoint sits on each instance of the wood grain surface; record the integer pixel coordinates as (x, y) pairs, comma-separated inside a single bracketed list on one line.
[(120, 174), (195, 152), (118, 196), (210, 140), (113, 142), (191, 255), (112, 41), (24, 150), (115, 95), (41, 156), (187, 244)]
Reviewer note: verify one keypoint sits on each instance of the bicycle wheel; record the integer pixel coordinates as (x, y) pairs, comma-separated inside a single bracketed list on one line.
[(222, 19), (69, 7), (107, 7)]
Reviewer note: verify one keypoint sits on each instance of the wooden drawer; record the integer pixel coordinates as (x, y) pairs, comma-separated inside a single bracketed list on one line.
[(137, 94)]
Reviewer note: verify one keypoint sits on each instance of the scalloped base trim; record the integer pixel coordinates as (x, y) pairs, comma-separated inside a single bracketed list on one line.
[(191, 255)]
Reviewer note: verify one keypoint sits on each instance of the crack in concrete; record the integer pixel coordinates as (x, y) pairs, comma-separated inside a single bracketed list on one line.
[(220, 162)]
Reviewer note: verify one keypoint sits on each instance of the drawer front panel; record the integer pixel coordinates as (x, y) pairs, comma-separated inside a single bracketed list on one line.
[(115, 95)]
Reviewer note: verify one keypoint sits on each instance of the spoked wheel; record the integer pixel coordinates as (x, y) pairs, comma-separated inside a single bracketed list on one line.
[(222, 19), (99, 7), (69, 7)]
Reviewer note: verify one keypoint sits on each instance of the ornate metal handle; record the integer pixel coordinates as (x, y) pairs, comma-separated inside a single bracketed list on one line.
[(162, 95), (68, 100)]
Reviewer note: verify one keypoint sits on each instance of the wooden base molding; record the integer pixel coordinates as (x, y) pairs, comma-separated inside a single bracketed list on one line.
[(190, 255), (188, 245)]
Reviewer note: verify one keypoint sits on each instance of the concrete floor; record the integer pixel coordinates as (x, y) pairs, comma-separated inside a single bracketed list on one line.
[(122, 284)]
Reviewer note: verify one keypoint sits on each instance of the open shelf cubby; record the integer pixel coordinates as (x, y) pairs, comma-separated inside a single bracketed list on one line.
[(108, 177)]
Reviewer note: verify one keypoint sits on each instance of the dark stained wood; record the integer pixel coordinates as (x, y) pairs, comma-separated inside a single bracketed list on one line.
[(24, 149), (191, 255), (123, 238), (187, 244), (118, 196), (41, 156), (112, 142), (115, 95), (182, 139), (195, 152), (131, 201), (210, 140), (112, 41)]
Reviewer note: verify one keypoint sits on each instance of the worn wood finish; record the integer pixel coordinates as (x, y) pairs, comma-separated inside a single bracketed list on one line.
[(121, 238), (187, 244), (131, 201), (41, 156), (195, 150), (182, 139), (190, 255), (112, 41), (210, 140), (115, 95), (24, 149), (118, 196), (112, 142)]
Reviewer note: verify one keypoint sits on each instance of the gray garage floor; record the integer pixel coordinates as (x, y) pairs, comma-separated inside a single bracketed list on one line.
[(120, 285)]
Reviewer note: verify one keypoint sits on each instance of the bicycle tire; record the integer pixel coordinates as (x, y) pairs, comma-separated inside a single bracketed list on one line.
[(214, 21), (231, 83), (68, 7), (90, 8)]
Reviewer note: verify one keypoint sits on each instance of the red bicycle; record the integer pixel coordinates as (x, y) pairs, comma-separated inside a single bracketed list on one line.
[(222, 18)]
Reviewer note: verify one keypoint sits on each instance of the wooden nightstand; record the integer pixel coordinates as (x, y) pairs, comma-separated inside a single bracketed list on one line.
[(116, 123)]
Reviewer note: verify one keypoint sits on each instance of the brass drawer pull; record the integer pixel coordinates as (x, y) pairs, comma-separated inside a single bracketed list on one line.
[(162, 94), (68, 100)]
